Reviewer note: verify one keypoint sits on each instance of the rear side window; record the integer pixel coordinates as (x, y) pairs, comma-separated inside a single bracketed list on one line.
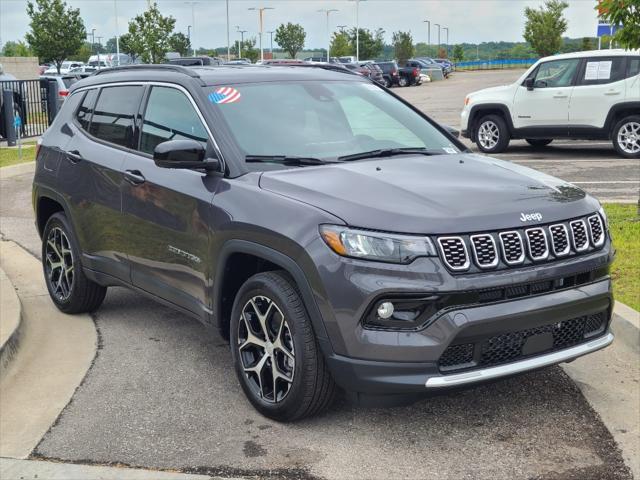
[(602, 70), (169, 116), (86, 109), (114, 114), (634, 67)]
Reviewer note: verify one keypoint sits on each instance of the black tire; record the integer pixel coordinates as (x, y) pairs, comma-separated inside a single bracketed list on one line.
[(495, 126), (403, 82), (626, 137), (388, 83), (311, 388), (539, 142), (80, 295)]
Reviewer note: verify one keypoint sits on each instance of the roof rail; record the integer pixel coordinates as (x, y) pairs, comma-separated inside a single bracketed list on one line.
[(166, 67), (324, 66)]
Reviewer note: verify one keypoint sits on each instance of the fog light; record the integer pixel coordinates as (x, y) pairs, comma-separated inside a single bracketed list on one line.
[(385, 310)]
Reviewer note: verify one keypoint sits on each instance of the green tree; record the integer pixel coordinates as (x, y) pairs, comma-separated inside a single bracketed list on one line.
[(83, 53), (150, 33), (249, 50), (403, 48), (56, 31), (458, 53), (544, 27), (110, 46), (291, 38), (340, 46), (626, 14), (16, 49), (127, 46), (179, 42), (371, 43), (586, 44)]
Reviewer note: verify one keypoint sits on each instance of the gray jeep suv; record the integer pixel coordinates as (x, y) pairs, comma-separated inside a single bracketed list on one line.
[(332, 232)]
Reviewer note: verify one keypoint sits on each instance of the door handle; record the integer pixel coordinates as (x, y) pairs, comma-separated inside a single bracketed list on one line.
[(612, 92), (560, 95), (134, 177), (74, 156)]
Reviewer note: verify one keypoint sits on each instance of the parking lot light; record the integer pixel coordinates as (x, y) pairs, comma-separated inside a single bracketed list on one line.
[(328, 12), (260, 11)]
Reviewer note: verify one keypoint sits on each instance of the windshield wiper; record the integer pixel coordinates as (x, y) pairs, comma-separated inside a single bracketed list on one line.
[(389, 152), (285, 160)]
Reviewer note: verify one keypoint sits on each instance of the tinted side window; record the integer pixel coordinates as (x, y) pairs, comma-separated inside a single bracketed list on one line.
[(634, 67), (598, 71), (169, 116), (86, 109), (114, 115)]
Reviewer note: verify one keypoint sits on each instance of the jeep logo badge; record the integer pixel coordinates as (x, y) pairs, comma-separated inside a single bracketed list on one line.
[(528, 217)]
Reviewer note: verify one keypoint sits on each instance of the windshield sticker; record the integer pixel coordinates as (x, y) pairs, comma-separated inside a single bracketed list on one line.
[(450, 150), (224, 95)]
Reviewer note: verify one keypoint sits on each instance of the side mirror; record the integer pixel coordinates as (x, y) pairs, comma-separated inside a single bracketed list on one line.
[(187, 154), (529, 83)]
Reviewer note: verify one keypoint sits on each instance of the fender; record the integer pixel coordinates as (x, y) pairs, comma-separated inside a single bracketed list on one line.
[(476, 110), (609, 123), (39, 192), (286, 263)]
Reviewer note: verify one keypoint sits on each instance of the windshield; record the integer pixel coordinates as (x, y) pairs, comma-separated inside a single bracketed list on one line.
[(324, 120)]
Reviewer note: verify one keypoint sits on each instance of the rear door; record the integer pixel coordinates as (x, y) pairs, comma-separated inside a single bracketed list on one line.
[(166, 210), (547, 105), (601, 84), (91, 175)]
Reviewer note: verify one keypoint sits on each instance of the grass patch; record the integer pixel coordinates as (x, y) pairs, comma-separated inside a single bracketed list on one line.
[(625, 229), (10, 156)]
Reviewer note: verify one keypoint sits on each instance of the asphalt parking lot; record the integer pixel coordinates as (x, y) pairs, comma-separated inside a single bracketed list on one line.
[(161, 392)]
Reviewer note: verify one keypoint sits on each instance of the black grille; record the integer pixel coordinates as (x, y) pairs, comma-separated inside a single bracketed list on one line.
[(454, 252), (484, 250), (537, 243), (579, 235), (597, 232), (512, 248), (559, 240), (512, 346)]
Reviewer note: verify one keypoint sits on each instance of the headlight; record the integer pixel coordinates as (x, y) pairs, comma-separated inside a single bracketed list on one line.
[(604, 217), (382, 247), (466, 100)]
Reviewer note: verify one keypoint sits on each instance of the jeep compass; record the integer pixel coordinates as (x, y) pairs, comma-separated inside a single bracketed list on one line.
[(333, 233)]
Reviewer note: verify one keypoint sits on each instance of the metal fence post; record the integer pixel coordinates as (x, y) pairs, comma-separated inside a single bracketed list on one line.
[(10, 130), (52, 100)]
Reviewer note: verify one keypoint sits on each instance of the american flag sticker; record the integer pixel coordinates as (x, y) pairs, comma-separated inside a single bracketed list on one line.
[(225, 95)]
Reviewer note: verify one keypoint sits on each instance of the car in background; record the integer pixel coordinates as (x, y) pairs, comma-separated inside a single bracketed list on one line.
[(390, 73), (66, 66), (376, 72), (347, 59), (64, 83), (43, 68), (283, 61), (428, 66), (200, 61), (445, 64), (238, 61), (322, 59), (84, 70), (356, 67)]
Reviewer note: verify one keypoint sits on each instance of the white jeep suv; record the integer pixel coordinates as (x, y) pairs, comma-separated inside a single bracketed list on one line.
[(584, 95)]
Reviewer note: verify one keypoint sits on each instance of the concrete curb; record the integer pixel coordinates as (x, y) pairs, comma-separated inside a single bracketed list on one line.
[(627, 325), (56, 351), (18, 169), (10, 321)]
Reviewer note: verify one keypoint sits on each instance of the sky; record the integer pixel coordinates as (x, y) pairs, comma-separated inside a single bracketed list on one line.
[(470, 21)]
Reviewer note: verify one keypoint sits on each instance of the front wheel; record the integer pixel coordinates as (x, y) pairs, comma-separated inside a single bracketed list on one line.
[(492, 134), (626, 137), (274, 350), (403, 82), (539, 142)]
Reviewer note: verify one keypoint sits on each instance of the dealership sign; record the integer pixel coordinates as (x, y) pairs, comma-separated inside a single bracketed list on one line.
[(605, 28)]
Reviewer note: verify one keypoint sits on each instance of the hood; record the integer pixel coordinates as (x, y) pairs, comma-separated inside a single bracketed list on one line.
[(487, 92), (432, 195)]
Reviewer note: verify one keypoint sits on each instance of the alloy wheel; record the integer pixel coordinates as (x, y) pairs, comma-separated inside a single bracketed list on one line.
[(488, 134), (629, 137), (265, 347), (59, 263)]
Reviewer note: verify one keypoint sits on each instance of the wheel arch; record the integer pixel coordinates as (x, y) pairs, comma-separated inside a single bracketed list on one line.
[(479, 111), (46, 204), (240, 259), (617, 112)]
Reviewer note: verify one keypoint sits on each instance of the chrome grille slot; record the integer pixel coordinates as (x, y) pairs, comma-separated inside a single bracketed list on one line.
[(579, 237), (559, 240), (512, 248), (454, 252), (484, 250), (596, 230), (537, 244)]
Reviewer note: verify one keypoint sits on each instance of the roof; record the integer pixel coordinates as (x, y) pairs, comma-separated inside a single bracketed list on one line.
[(594, 53), (218, 75)]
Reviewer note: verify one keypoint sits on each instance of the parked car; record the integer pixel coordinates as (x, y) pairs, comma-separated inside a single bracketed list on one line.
[(195, 61), (64, 68), (373, 253), (446, 65), (583, 95), (376, 72), (85, 69), (64, 83), (390, 73), (238, 61), (283, 61), (428, 66), (358, 68)]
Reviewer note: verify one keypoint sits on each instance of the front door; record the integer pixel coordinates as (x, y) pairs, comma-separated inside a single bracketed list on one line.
[(547, 105), (166, 211)]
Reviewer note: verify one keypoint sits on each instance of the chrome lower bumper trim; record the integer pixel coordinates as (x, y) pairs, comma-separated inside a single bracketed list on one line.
[(518, 367)]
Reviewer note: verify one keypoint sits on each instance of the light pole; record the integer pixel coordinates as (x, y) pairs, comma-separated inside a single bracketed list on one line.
[(341, 27), (193, 24), (241, 32), (328, 12), (228, 42), (357, 28), (428, 36), (93, 40), (115, 11), (271, 32), (189, 33), (438, 25), (447, 44), (260, 11)]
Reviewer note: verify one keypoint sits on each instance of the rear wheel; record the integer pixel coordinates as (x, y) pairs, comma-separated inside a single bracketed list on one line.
[(387, 82), (403, 82), (539, 142), (626, 137), (274, 350), (492, 134)]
